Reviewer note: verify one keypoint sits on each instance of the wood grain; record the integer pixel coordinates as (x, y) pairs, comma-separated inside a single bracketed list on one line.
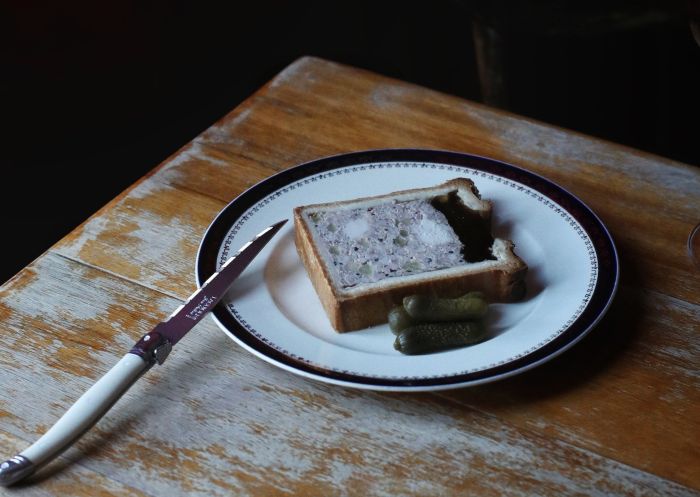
[(149, 236), (57, 480), (216, 420), (617, 415), (331, 109)]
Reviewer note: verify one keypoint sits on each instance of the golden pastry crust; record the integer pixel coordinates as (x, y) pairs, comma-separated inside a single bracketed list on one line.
[(348, 309)]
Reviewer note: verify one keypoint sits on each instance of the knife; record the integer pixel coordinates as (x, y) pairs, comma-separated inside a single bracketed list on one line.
[(152, 348)]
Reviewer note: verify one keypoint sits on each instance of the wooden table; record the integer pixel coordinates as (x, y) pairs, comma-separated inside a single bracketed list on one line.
[(619, 414)]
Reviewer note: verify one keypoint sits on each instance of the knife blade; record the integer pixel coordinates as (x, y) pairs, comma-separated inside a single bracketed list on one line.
[(153, 348)]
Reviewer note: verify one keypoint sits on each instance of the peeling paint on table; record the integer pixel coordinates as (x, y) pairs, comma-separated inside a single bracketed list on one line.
[(616, 415)]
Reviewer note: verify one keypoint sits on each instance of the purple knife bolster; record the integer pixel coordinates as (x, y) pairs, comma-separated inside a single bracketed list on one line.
[(153, 346), (14, 469)]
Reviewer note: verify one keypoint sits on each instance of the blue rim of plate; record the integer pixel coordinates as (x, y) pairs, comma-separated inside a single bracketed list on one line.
[(600, 299)]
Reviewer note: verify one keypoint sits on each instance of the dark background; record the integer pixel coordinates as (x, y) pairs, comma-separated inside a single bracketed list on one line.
[(95, 94)]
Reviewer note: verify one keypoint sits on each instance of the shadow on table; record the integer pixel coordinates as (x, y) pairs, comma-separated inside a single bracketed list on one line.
[(95, 440), (572, 370), (595, 354), (190, 373)]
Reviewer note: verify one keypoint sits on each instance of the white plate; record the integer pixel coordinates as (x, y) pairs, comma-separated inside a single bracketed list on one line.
[(274, 312)]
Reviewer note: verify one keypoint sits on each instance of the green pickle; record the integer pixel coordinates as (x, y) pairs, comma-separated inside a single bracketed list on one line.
[(399, 319), (424, 308), (434, 337)]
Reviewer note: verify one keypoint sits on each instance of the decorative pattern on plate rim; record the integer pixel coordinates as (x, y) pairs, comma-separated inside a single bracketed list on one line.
[(578, 229)]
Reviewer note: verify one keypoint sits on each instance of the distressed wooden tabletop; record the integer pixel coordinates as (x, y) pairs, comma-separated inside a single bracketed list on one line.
[(618, 414)]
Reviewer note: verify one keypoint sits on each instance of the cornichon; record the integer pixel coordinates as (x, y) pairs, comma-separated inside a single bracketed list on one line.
[(434, 337), (399, 319), (429, 309)]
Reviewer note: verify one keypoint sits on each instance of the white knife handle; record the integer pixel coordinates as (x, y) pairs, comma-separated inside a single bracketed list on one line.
[(86, 411)]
